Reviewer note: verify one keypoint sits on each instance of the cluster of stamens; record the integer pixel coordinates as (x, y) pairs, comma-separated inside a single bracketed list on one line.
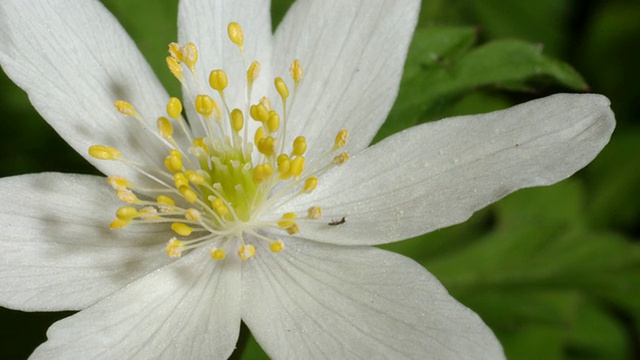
[(216, 192)]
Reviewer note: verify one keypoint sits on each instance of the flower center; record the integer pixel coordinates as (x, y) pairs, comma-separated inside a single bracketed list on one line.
[(217, 190)]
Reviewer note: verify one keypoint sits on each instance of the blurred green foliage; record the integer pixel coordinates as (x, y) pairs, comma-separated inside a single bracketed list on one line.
[(553, 271)]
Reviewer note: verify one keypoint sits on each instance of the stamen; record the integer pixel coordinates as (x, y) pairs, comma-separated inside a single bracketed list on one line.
[(221, 188)]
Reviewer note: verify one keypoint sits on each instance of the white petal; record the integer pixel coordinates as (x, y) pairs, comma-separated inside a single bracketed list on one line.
[(438, 174), (57, 251), (328, 302), (189, 309), (74, 60), (353, 54), (204, 22)]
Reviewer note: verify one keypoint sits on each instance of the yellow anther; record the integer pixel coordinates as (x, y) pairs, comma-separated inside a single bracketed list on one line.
[(283, 163), (126, 213), (267, 145), (287, 220), (199, 142), (180, 180), (234, 30), (104, 152), (218, 80), (190, 55), (174, 107), (299, 146), (293, 229), (165, 200), (264, 101), (204, 105), (259, 135), (195, 178), (296, 71), (297, 165), (220, 208), (341, 158), (341, 139), (262, 173), (149, 213), (175, 247), (181, 229), (259, 112), (165, 127), (246, 251), (237, 120), (314, 212), (273, 123), (253, 72), (188, 194), (175, 50), (127, 196), (125, 108), (118, 182), (218, 254), (193, 215), (276, 246), (118, 224), (173, 162), (310, 184), (175, 68), (281, 87)]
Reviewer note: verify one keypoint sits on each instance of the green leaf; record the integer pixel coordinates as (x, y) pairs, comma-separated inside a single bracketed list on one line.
[(511, 65)]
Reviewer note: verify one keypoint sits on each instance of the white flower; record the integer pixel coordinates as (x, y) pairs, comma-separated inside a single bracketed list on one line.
[(308, 286)]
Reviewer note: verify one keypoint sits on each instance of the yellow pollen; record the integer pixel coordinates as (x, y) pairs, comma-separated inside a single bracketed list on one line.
[(267, 145), (188, 194), (276, 246), (125, 108), (149, 213), (259, 112), (234, 30), (118, 224), (310, 184), (282, 88), (163, 199), (288, 219), (297, 166), (190, 55), (127, 196), (126, 213), (341, 158), (204, 105), (181, 229), (174, 107), (219, 207), (296, 71), (273, 123), (175, 248), (195, 178), (299, 146), (175, 50), (253, 72), (218, 80), (246, 251), (118, 182), (173, 162), (104, 152), (314, 212), (284, 164), (293, 229), (218, 254), (237, 120), (175, 68), (341, 139), (262, 172), (165, 127), (193, 215)]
